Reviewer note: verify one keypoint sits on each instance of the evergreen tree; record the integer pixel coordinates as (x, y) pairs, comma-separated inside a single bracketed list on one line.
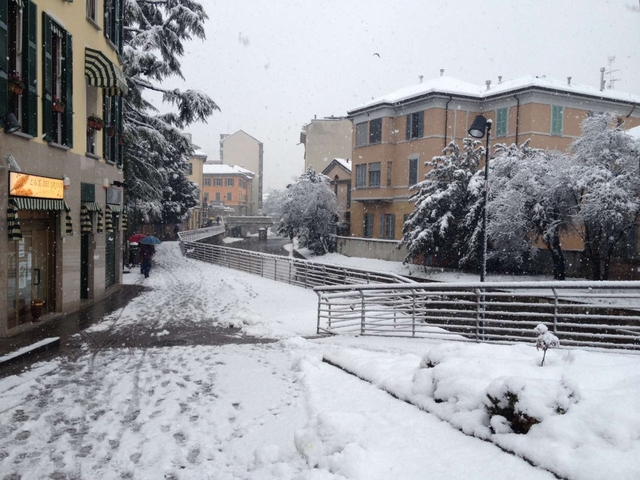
[(310, 211), (155, 152), (438, 224)]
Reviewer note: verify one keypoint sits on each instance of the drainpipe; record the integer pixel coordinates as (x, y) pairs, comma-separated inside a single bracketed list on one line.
[(634, 107), (517, 117), (446, 120)]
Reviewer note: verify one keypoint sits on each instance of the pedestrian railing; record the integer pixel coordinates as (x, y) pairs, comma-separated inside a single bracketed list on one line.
[(302, 273), (201, 233), (586, 314)]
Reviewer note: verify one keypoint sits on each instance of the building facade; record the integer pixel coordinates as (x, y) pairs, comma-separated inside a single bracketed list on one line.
[(61, 88), (325, 139), (339, 172), (229, 186), (243, 150), (197, 215), (394, 135)]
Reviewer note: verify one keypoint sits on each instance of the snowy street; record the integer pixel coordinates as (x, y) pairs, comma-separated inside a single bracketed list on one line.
[(253, 399)]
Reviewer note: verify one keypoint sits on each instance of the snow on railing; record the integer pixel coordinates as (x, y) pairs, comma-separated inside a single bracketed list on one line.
[(585, 314), (303, 273), (201, 233)]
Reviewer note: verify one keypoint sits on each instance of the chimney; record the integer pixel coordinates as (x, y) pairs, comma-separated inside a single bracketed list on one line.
[(602, 79), (499, 78), (420, 77), (569, 81), (488, 82), (441, 71)]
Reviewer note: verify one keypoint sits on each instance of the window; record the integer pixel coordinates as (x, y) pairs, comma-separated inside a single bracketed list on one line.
[(368, 225), (413, 171), (361, 176), (229, 182), (387, 226), (502, 119), (229, 196), (207, 182), (206, 198), (242, 183), (375, 131), (349, 195), (217, 196), (92, 109), (361, 134), (190, 169), (92, 10), (217, 182), (389, 172), (18, 64), (556, 119), (112, 140), (113, 10), (57, 85), (374, 174), (415, 125)]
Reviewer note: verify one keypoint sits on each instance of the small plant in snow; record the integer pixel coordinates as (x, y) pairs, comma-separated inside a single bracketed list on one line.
[(545, 340)]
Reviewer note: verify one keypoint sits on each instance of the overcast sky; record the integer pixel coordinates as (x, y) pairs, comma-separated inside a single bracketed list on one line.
[(272, 65)]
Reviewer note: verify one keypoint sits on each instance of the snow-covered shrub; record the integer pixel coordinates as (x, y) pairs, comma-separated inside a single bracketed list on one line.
[(545, 340), (516, 404)]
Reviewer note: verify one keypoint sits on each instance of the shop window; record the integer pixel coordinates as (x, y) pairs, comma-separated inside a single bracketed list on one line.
[(415, 125), (18, 63)]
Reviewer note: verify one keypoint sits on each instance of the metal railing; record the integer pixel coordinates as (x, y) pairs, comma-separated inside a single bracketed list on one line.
[(302, 273), (586, 314), (200, 233)]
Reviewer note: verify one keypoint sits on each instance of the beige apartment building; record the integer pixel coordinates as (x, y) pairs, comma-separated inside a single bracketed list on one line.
[(245, 151), (61, 88), (394, 135), (325, 139), (196, 162)]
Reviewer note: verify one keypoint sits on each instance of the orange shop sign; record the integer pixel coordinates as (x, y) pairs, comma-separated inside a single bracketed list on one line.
[(25, 185)]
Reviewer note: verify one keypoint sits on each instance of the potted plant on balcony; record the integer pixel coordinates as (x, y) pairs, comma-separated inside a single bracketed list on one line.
[(58, 106), (94, 122), (16, 83), (111, 130)]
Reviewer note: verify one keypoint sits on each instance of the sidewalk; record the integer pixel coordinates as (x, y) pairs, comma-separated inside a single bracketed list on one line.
[(63, 327)]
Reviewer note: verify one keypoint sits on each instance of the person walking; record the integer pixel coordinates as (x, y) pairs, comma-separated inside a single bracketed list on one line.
[(146, 252)]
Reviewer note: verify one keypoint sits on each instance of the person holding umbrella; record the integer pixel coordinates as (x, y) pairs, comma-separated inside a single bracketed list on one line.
[(147, 251)]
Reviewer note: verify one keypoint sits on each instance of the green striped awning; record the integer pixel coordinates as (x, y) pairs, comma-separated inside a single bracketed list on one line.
[(92, 206), (86, 225), (115, 208), (124, 224), (99, 227), (68, 224), (109, 220), (101, 72), (13, 225), (25, 203)]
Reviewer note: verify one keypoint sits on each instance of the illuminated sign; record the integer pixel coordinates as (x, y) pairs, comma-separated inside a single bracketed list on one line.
[(25, 185)]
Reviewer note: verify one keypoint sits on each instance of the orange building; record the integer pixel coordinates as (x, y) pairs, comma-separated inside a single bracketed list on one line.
[(227, 185)]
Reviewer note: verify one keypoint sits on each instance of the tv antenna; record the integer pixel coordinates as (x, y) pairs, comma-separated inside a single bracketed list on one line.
[(611, 71)]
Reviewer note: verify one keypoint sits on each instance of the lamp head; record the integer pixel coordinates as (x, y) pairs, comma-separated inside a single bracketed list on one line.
[(479, 126)]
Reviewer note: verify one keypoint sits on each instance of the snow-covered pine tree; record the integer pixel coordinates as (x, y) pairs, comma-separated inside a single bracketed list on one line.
[(155, 152), (310, 212), (605, 182), (441, 203)]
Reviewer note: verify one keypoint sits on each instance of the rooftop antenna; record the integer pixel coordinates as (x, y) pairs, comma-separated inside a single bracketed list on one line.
[(611, 71)]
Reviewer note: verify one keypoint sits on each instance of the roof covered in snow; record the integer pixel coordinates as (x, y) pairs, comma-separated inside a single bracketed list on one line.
[(343, 162), (219, 169), (454, 86)]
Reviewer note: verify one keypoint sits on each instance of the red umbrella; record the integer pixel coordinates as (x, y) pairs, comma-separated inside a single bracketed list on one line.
[(137, 237)]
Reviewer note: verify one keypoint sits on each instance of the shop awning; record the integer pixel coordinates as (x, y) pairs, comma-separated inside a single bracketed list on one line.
[(101, 72), (92, 206), (115, 208), (25, 203)]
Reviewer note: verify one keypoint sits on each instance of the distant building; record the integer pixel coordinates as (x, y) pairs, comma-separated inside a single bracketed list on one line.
[(339, 171), (325, 139), (229, 186), (243, 150), (194, 174)]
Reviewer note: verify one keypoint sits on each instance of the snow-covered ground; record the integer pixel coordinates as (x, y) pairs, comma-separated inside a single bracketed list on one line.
[(276, 410)]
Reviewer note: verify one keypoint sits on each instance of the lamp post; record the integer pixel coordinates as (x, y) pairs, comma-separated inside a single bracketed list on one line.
[(478, 128)]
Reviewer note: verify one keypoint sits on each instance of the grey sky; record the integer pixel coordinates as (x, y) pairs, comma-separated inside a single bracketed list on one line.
[(272, 66)]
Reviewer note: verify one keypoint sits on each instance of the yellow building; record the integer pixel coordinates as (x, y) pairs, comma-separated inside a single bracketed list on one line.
[(394, 135), (245, 151), (61, 88)]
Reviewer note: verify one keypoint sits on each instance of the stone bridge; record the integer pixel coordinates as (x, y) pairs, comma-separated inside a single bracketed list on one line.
[(242, 226)]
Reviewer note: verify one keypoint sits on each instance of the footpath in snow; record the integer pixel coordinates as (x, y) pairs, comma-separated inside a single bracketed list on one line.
[(275, 410)]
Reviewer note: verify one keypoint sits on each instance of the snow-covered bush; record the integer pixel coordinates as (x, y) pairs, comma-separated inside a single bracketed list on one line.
[(545, 340)]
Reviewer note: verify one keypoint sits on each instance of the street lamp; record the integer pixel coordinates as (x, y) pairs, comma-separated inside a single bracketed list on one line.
[(478, 128)]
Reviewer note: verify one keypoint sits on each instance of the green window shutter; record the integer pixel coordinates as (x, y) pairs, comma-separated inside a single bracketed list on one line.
[(105, 137), (420, 124), (4, 60), (47, 70), (408, 129), (119, 158), (30, 71), (502, 119), (68, 89), (556, 119)]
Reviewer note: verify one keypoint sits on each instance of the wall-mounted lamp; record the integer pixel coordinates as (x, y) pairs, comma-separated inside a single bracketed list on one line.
[(11, 124), (105, 183), (66, 182)]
